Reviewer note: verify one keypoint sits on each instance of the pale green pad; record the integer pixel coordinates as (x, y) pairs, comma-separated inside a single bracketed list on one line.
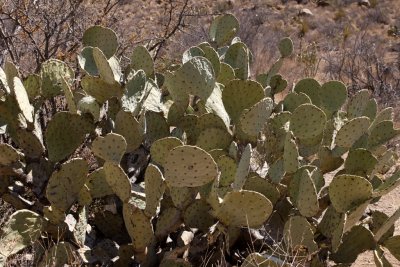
[(307, 121), (161, 147), (333, 95), (98, 185), (358, 104), (310, 87), (244, 209), (110, 147), (239, 95), (189, 166), (8, 155), (213, 138), (103, 38), (298, 232), (64, 185), (253, 120), (65, 133), (154, 189), (243, 168), (128, 126), (348, 191), (118, 180), (352, 131), (263, 186), (142, 60), (223, 29)]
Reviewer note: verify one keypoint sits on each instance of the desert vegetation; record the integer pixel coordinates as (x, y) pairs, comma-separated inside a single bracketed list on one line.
[(181, 133)]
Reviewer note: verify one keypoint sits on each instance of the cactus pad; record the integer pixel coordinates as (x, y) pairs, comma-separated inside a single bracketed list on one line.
[(239, 95), (118, 180), (142, 60), (51, 73), (290, 155), (333, 95), (307, 199), (223, 29), (213, 138), (64, 185), (110, 147), (8, 155), (226, 74), (307, 121), (352, 131), (139, 227), (244, 209), (286, 47), (227, 167), (23, 100), (103, 38), (263, 186), (348, 191), (381, 133), (154, 189), (161, 147), (310, 87), (127, 126), (360, 162), (298, 232), (189, 166), (97, 184), (198, 215), (243, 168), (100, 89), (253, 120)]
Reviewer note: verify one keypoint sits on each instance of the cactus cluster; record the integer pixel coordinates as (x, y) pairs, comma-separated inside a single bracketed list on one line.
[(224, 155)]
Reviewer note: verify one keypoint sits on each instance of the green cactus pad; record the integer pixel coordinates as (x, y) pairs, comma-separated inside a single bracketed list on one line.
[(239, 95), (327, 162), (139, 227), (293, 100), (237, 56), (86, 61), (161, 147), (134, 92), (276, 171), (392, 244), (100, 89), (189, 166), (358, 104), (182, 196), (333, 95), (286, 47), (154, 189), (278, 84), (244, 209), (198, 215), (381, 133), (213, 138), (142, 60), (156, 126), (348, 191), (23, 100), (209, 120), (352, 131), (371, 109), (354, 215), (21, 230), (307, 199), (307, 121), (106, 70), (127, 126), (310, 87), (298, 232), (64, 185), (32, 84), (54, 215), (223, 29), (88, 104), (388, 185), (30, 143), (243, 168), (378, 219), (168, 222), (290, 155), (192, 52), (227, 167), (360, 162), (188, 124), (215, 104), (103, 38), (329, 222), (212, 56), (118, 180), (51, 73), (98, 185), (358, 240), (226, 74), (110, 147), (8, 155), (253, 120), (65, 132), (263, 186), (384, 115), (196, 77), (69, 97)]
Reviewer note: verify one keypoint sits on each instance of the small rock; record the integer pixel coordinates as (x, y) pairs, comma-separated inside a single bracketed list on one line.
[(305, 12), (364, 3)]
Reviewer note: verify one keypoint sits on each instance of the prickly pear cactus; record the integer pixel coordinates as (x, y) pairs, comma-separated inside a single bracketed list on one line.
[(157, 168)]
